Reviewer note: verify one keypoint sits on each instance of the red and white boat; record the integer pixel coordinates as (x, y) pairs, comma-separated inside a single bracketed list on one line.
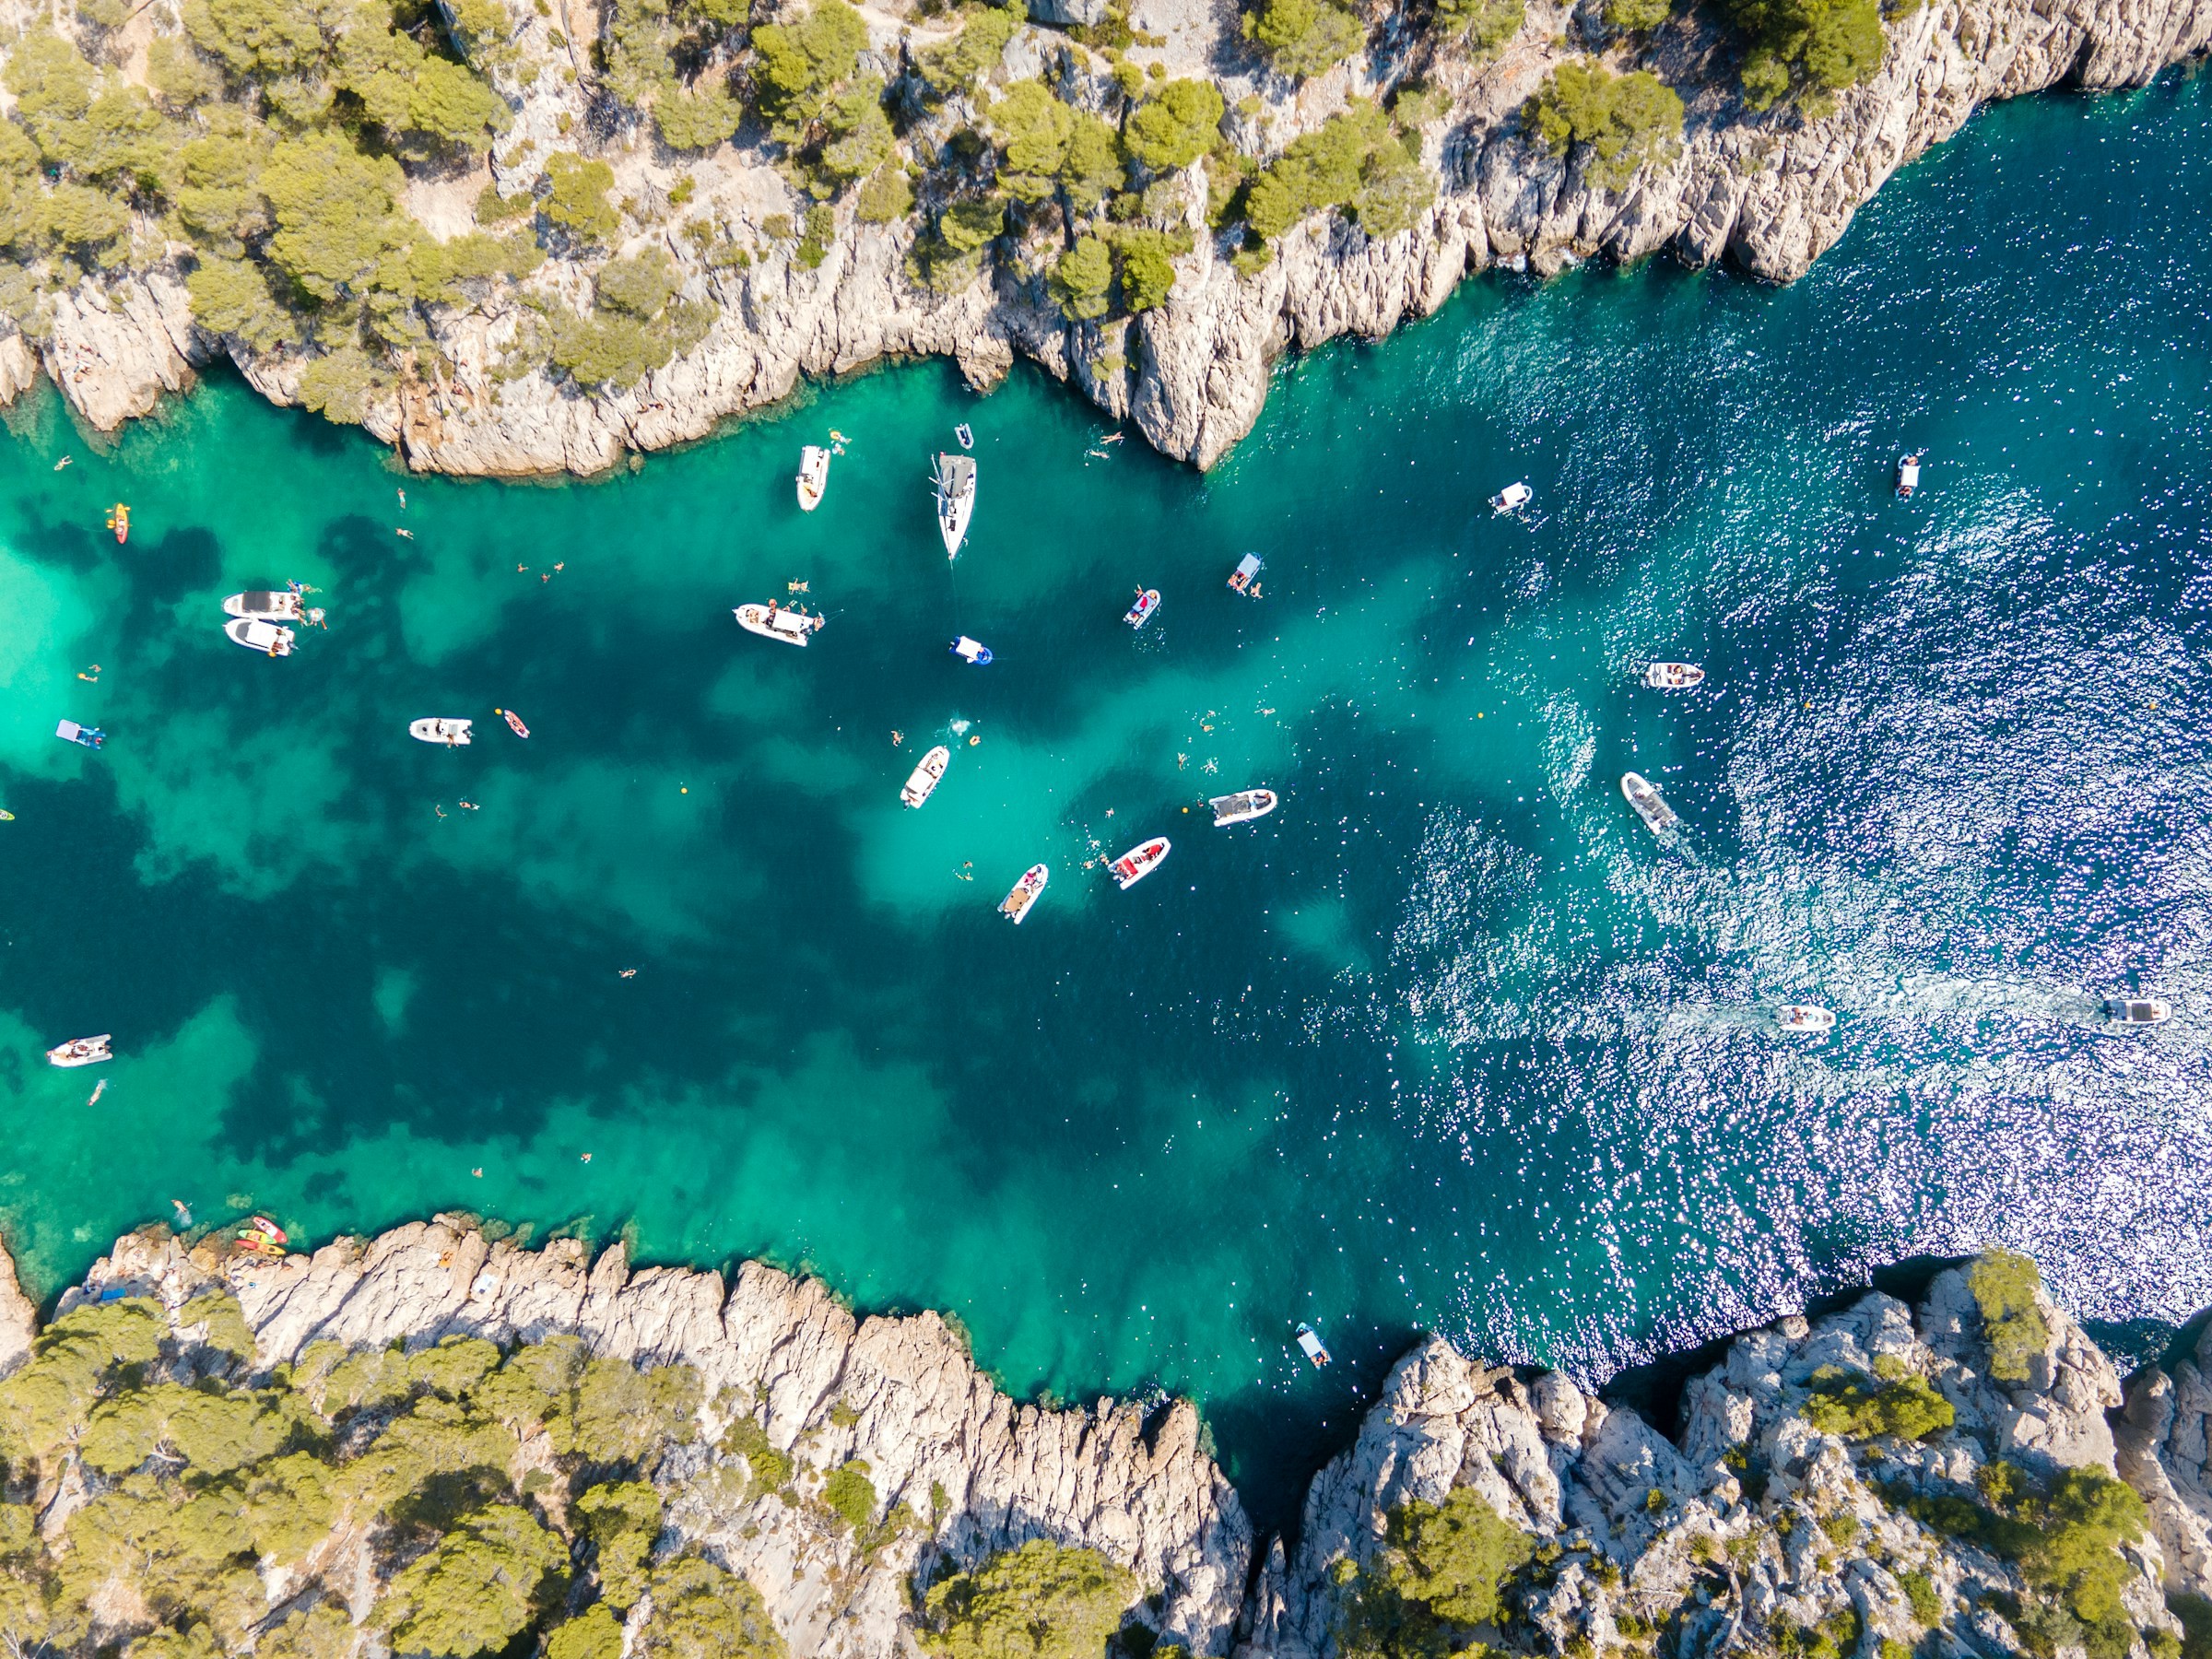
[(514, 721), (1015, 905), (1140, 862), (1147, 601)]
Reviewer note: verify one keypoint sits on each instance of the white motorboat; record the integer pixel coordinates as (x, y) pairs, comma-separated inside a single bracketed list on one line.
[(2138, 1011), (81, 1051), (277, 608), (1804, 1017), (1242, 807), (923, 780), (1015, 905), (1511, 499), (955, 481), (772, 621), (1147, 601), (971, 650), (1309, 1343), (430, 728), (1650, 806), (256, 634), (1672, 677), (1239, 579), (814, 476), (1908, 475), (1140, 862)]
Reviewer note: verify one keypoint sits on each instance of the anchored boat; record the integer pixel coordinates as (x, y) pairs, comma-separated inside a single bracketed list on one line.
[(1908, 475), (1650, 806), (1140, 862), (276, 608), (1309, 1343), (2138, 1011), (921, 783), (1147, 601), (454, 734), (814, 476), (966, 436), (81, 1051), (1015, 905), (1242, 807), (1804, 1017), (1511, 499), (514, 721), (68, 730), (1672, 677), (257, 633), (119, 521), (1239, 579), (772, 622), (955, 481), (971, 650)]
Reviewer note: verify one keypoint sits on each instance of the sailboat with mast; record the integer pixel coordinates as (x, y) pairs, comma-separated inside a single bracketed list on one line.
[(955, 480)]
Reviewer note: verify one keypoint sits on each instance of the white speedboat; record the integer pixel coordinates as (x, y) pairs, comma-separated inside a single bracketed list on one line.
[(1804, 1017), (814, 476), (1140, 862), (1511, 499), (1908, 475), (277, 608), (1242, 807), (2138, 1011), (81, 1051), (774, 622), (1147, 601), (1672, 677), (1309, 1343), (971, 650), (955, 480), (1650, 808), (256, 634), (1015, 905), (923, 780), (430, 728)]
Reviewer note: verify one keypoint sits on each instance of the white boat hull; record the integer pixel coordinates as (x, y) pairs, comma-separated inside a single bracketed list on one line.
[(81, 1051), (1805, 1017), (814, 476), (1242, 807), (921, 783), (257, 635), (454, 734), (1140, 862), (955, 480), (1650, 805), (1026, 893), (1672, 677), (278, 608), (791, 626)]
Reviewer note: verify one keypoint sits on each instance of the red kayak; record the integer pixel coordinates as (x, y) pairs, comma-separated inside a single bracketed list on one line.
[(514, 721), (264, 1225)]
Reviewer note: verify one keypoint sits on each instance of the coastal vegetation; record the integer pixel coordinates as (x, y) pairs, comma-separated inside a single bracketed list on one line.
[(1042, 1601), (1626, 122), (2004, 1284)]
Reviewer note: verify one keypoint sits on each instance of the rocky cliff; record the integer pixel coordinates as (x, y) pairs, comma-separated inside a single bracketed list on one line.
[(1770, 191)]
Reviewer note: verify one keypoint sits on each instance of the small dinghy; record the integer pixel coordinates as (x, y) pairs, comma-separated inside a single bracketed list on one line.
[(1147, 601), (772, 622), (2138, 1011), (971, 650), (68, 730), (1242, 807), (1672, 677), (1804, 1017), (1239, 579), (1908, 475), (1140, 862), (966, 436), (1511, 499), (1309, 1343), (955, 481), (454, 734), (258, 633), (277, 608), (81, 1050), (814, 476), (1015, 905), (1650, 806), (921, 783), (514, 721)]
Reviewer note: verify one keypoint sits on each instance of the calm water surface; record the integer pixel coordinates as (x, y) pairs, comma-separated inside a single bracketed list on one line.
[(1449, 1041)]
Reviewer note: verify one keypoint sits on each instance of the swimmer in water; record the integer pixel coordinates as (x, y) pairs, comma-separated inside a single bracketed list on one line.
[(408, 535), (184, 1212), (439, 810), (91, 674), (62, 462), (98, 1088), (629, 973), (897, 738), (403, 501), (469, 806)]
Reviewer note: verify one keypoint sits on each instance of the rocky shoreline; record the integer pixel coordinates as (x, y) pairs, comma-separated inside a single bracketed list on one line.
[(1804, 1492), (1768, 193)]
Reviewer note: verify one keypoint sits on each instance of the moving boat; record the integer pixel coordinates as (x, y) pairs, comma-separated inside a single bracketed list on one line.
[(430, 728), (119, 521), (814, 475), (256, 634), (1649, 807), (81, 1051), (923, 780), (966, 436), (1239, 579), (68, 730), (514, 721), (1908, 475), (1672, 677), (1242, 807), (2138, 1011), (971, 650), (277, 608), (1804, 1017), (1511, 499), (772, 622), (1147, 601), (1309, 1343), (1140, 862), (954, 479), (1015, 905)]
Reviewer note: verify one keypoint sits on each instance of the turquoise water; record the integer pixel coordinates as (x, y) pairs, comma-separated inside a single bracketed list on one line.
[(1448, 1041)]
